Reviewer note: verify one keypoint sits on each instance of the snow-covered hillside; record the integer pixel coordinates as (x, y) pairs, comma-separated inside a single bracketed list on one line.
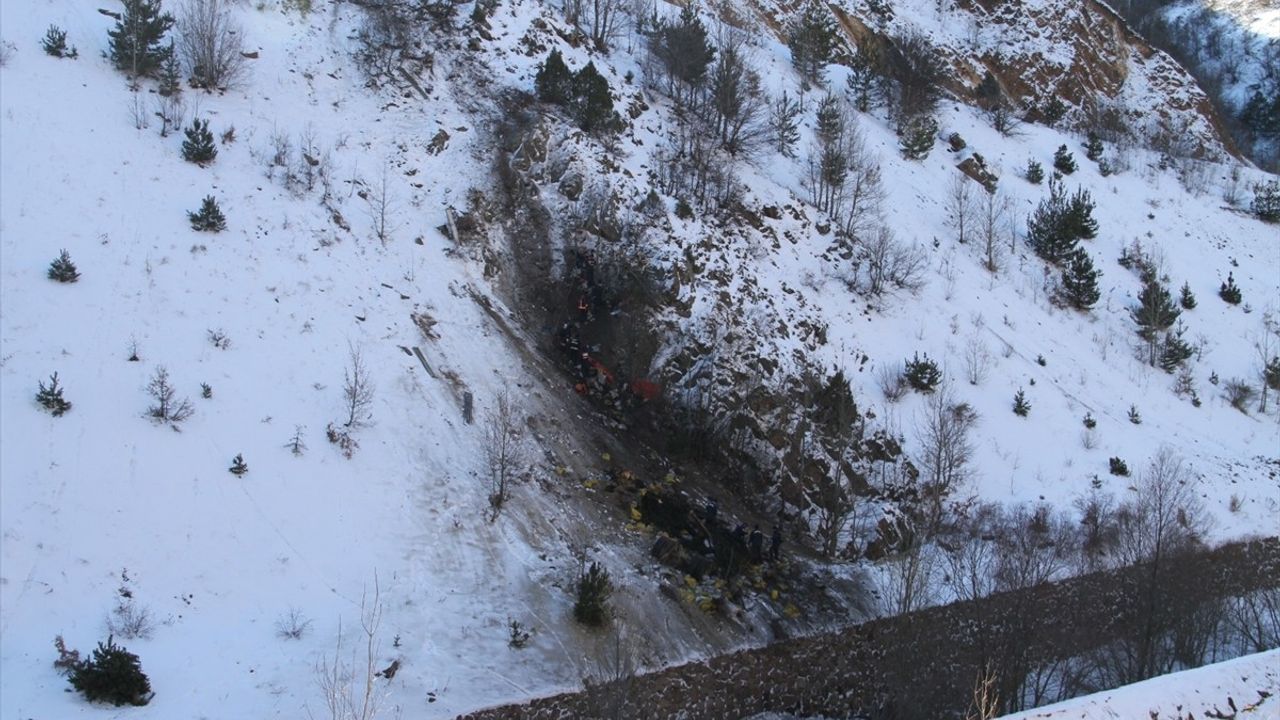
[(102, 508)]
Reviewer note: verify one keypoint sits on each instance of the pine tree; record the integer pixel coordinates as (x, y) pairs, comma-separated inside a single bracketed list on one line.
[(113, 675), (554, 81), (1079, 222), (209, 218), (198, 147), (1034, 172), (784, 124), (1053, 110), (1266, 202), (812, 39), (594, 589), (170, 77), (238, 466), (1080, 281), (55, 43), (135, 43), (988, 93), (1049, 230), (922, 374), (51, 397), (685, 50), (917, 137), (1021, 407), (62, 269), (1154, 314), (1093, 147), (1229, 291), (1063, 161), (1187, 300), (864, 77), (1175, 350), (592, 103)]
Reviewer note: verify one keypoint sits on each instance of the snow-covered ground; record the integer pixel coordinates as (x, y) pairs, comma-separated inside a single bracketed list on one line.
[(1247, 687), (103, 499)]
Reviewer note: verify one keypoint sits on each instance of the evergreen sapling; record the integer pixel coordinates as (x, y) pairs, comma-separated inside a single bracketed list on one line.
[(1063, 161), (1229, 291), (62, 269), (209, 217), (1187, 300), (135, 43), (51, 397), (1080, 281), (55, 43), (112, 675), (1021, 407), (917, 137), (198, 147), (1093, 147), (1034, 172)]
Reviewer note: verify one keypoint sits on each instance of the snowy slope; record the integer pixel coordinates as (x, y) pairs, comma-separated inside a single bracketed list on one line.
[(219, 559), (103, 493)]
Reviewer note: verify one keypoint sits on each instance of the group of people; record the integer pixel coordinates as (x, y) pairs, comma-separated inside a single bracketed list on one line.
[(753, 540)]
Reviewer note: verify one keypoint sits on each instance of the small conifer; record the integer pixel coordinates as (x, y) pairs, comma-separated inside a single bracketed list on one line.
[(199, 147), (1021, 407), (917, 138), (209, 218), (112, 675), (1034, 172), (1063, 161), (238, 466), (1229, 291), (1187, 298), (62, 269), (55, 43), (51, 397)]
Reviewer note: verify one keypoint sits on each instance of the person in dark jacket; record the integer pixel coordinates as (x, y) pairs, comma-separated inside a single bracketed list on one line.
[(756, 543)]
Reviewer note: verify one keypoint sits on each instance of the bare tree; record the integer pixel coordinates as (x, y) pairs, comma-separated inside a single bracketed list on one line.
[(168, 407), (959, 206), (608, 687), (945, 450), (503, 449), (993, 228), (1264, 348), (908, 580), (977, 360), (862, 200), (382, 207), (357, 389), (210, 44), (736, 104), (349, 687)]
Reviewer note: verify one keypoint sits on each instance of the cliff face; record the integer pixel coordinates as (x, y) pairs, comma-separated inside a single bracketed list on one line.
[(1080, 51)]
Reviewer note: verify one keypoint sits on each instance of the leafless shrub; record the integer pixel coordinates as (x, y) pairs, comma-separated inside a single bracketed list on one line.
[(343, 439), (993, 228), (1088, 438), (167, 408), (908, 580), (130, 620), (209, 41), (292, 625), (889, 377), (138, 114), (886, 262), (171, 109), (977, 360), (68, 660), (6, 52), (1239, 393)]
